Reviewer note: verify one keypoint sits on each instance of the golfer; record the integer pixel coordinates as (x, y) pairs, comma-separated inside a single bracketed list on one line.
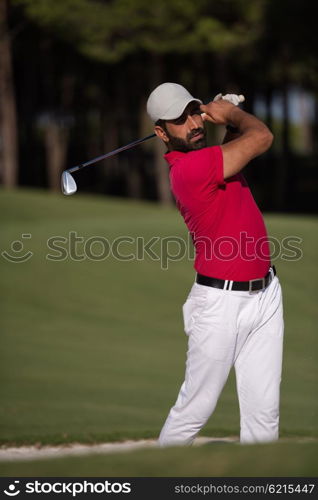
[(233, 314)]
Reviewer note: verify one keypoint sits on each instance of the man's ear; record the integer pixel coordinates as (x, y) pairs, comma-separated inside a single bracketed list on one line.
[(161, 133)]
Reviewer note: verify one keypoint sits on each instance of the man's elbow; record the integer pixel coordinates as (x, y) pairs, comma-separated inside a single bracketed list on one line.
[(269, 139), (264, 140)]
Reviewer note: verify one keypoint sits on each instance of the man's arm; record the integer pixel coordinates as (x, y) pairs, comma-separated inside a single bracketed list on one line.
[(230, 135), (254, 137)]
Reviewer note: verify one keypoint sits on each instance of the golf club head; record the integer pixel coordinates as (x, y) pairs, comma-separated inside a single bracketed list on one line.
[(67, 183)]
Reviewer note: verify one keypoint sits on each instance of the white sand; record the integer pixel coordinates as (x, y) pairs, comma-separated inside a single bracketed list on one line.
[(40, 452)]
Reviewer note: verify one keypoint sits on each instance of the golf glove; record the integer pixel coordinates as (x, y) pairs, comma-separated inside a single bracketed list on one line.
[(233, 98)]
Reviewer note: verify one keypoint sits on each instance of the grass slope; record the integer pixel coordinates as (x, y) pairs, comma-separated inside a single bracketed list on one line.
[(94, 350)]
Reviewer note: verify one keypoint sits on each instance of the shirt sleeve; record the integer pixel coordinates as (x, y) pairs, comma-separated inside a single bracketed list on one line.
[(203, 169), (196, 176)]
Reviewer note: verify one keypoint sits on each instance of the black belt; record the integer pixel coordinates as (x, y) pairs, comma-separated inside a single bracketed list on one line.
[(243, 286)]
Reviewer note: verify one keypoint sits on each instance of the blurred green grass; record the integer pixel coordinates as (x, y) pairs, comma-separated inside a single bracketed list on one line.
[(94, 351), (217, 459)]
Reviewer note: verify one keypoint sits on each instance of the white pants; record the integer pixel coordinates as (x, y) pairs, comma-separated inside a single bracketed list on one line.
[(227, 328)]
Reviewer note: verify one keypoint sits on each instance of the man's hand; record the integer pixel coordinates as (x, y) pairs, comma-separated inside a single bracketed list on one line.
[(217, 112), (232, 98)]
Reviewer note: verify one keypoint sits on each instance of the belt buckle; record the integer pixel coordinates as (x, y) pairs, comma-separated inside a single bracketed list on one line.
[(250, 285)]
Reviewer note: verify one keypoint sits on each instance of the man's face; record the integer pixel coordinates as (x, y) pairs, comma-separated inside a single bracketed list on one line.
[(186, 133)]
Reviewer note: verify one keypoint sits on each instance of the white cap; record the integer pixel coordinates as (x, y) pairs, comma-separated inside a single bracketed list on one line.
[(168, 101)]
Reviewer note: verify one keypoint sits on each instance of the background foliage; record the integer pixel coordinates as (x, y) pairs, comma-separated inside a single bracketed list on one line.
[(75, 76)]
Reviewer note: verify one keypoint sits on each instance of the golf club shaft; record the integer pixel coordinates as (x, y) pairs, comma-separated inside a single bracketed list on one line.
[(111, 153)]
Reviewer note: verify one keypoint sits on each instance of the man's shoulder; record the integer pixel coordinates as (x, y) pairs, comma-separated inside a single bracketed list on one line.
[(203, 154), (197, 169)]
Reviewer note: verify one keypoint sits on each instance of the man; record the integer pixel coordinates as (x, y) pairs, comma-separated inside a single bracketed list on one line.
[(233, 314)]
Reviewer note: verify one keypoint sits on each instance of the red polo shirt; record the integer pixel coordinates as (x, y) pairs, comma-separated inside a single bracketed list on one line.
[(226, 226)]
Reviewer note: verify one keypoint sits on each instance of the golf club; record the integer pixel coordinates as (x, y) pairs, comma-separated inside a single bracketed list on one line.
[(68, 183)]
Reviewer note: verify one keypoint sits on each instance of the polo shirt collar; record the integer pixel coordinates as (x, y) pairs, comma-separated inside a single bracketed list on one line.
[(171, 156)]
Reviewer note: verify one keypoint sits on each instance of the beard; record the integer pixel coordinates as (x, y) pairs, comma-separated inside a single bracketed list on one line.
[(186, 145)]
